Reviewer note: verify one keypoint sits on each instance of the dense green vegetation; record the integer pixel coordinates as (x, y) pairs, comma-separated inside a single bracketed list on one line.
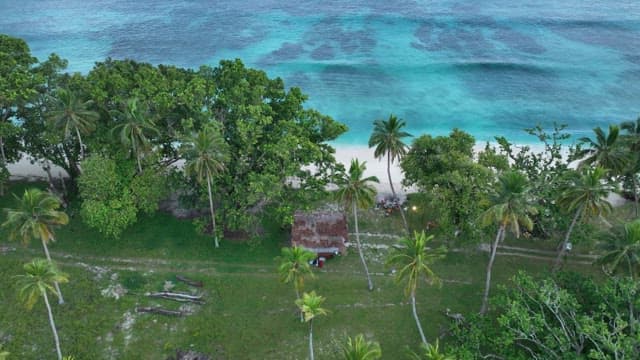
[(240, 153)]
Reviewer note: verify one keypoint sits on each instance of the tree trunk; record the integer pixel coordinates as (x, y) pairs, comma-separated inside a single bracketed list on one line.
[(393, 192), (298, 298), (635, 192), (53, 325), (415, 316), (81, 144), (311, 339), (3, 157), (364, 263), (487, 285), (55, 283), (47, 169), (563, 247), (213, 214)]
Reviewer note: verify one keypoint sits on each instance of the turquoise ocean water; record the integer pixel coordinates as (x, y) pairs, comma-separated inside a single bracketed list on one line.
[(489, 67)]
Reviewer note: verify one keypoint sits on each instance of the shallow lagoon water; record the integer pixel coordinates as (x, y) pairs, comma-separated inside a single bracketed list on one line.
[(489, 67)]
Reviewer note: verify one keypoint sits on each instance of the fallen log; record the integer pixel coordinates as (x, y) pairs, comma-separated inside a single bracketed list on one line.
[(177, 297), (159, 310), (188, 281)]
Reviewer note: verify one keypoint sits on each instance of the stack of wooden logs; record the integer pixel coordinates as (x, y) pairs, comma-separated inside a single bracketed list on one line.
[(174, 296)]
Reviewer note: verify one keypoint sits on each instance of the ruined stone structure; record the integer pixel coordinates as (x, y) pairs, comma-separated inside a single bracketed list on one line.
[(320, 231)]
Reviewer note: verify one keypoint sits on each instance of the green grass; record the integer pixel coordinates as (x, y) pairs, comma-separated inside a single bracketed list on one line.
[(248, 314)]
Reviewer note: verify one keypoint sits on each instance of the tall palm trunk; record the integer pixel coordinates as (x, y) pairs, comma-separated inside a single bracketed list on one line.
[(298, 298), (311, 339), (635, 192), (213, 214), (415, 316), (55, 283), (563, 248), (364, 263), (81, 144), (3, 157), (393, 192), (487, 285), (53, 325)]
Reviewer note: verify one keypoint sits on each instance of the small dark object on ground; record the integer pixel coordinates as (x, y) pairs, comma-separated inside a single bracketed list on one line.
[(188, 281), (188, 355), (177, 297)]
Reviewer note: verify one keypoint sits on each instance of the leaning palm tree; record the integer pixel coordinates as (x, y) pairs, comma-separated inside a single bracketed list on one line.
[(604, 150), (310, 306), (294, 267), (34, 218), (134, 129), (206, 154), (72, 115), (511, 209), (413, 259), (622, 250), (40, 276), (360, 349), (356, 191), (387, 138), (585, 196), (632, 141)]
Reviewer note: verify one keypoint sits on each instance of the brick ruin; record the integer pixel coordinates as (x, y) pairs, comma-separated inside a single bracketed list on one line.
[(320, 231)]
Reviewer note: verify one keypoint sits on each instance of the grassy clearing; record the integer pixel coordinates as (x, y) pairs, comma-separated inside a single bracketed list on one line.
[(248, 313)]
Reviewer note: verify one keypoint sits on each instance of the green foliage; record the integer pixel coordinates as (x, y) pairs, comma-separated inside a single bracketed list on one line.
[(148, 189), (38, 280), (453, 184), (294, 266), (511, 204), (430, 352), (310, 305), (622, 250), (359, 348)]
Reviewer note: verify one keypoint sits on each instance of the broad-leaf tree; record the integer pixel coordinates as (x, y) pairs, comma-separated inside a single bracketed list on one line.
[(40, 277), (359, 348), (72, 115), (413, 260), (511, 209), (34, 217), (311, 307), (387, 139), (584, 195), (135, 129), (206, 154), (356, 191)]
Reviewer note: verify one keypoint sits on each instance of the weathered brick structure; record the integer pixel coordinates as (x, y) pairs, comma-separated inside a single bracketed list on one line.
[(320, 231)]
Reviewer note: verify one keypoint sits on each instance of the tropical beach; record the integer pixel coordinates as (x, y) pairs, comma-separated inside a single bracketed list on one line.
[(411, 180)]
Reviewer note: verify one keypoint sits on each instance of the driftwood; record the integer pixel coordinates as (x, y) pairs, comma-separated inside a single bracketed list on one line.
[(159, 310), (189, 281), (177, 297), (189, 355)]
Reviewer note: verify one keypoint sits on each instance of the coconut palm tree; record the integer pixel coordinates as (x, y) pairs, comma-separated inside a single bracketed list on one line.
[(511, 209), (622, 250), (585, 196), (356, 191), (387, 138), (310, 306), (206, 154), (632, 139), (604, 150), (134, 129), (413, 259), (40, 276), (34, 217), (72, 115), (294, 266), (430, 352), (360, 349)]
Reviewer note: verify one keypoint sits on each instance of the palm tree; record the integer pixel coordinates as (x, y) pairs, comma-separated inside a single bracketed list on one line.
[(622, 250), (604, 150), (413, 258), (72, 115), (34, 217), (294, 266), (206, 154), (511, 209), (632, 138), (430, 352), (40, 275), (4, 355), (387, 138), (134, 129), (356, 191), (584, 195), (309, 305), (360, 349)]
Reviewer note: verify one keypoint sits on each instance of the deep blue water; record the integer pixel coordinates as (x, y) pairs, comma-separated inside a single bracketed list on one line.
[(489, 67)]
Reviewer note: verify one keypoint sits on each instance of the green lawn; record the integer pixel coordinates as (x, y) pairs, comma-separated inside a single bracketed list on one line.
[(248, 314)]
